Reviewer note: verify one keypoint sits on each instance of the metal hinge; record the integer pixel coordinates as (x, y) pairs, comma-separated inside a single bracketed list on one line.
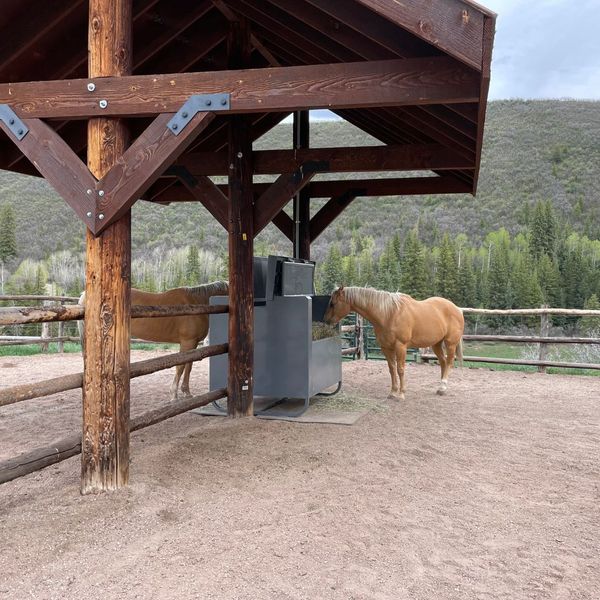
[(195, 104), (16, 126)]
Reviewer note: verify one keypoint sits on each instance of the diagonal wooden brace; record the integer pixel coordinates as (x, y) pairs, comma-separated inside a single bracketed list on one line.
[(100, 203), (60, 166), (206, 192), (270, 203), (142, 164)]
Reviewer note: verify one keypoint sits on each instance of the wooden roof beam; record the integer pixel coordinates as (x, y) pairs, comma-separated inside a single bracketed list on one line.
[(334, 160), (420, 81)]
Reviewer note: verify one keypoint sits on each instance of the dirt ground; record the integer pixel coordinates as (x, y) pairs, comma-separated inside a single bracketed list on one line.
[(489, 492)]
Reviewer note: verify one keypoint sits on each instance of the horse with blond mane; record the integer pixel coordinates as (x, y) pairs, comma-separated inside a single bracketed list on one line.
[(401, 322), (187, 331)]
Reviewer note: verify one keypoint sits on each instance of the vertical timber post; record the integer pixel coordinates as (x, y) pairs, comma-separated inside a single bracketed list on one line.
[(302, 199), (544, 332), (105, 440), (241, 242)]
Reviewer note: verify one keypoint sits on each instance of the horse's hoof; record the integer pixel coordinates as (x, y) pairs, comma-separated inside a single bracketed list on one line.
[(396, 397), (441, 392), (186, 395)]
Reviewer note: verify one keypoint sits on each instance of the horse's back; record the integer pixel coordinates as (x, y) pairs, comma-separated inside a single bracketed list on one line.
[(435, 319)]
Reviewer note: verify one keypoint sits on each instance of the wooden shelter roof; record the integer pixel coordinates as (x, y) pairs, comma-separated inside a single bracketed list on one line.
[(47, 40)]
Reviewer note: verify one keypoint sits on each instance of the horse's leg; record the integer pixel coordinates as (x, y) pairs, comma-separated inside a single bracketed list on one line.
[(400, 365), (439, 352), (450, 353), (390, 356), (185, 369)]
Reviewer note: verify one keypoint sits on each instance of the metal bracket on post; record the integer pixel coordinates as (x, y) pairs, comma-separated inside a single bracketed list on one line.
[(10, 119), (195, 104)]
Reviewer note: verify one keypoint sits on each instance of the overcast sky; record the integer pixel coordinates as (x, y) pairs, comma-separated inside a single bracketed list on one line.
[(546, 49)]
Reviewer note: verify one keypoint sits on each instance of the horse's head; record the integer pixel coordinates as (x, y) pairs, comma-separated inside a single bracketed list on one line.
[(338, 307)]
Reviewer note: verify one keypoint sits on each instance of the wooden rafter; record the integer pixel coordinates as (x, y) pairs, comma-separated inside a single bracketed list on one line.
[(420, 81), (454, 26)]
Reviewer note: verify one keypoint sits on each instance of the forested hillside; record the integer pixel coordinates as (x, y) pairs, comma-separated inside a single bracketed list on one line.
[(543, 154)]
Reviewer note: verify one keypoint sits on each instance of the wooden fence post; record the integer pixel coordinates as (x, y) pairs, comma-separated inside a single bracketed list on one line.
[(61, 333), (45, 330), (360, 338), (544, 331)]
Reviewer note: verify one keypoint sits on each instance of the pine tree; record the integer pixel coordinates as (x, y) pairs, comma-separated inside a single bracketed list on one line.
[(543, 233), (446, 281), (467, 284), (333, 269), (549, 278), (525, 283), (192, 269), (414, 277), (8, 242)]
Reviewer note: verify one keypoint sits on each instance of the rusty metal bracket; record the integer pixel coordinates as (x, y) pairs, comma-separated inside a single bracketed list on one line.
[(14, 124), (195, 104)]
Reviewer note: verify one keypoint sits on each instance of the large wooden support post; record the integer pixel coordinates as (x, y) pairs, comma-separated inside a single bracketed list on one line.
[(302, 199), (241, 243), (105, 441)]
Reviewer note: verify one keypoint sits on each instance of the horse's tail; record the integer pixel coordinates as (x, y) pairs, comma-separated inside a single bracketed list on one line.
[(80, 326), (459, 353)]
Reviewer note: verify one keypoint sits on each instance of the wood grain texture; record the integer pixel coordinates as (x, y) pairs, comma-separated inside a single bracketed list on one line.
[(407, 157), (240, 382), (105, 437), (61, 167), (414, 81), (270, 202), (454, 26), (142, 164)]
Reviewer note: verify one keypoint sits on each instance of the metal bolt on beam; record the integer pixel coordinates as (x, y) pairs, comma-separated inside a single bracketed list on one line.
[(103, 103), (89, 213), (101, 193), (101, 216), (91, 86)]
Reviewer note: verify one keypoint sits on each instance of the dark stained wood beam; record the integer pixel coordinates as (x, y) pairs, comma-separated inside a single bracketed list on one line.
[(454, 26), (208, 194), (328, 213), (301, 141), (419, 81), (403, 186), (285, 224), (279, 193), (240, 381), (488, 43), (142, 164), (61, 167), (409, 157)]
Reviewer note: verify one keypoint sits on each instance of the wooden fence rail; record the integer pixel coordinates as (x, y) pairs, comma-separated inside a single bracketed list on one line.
[(71, 446), (17, 315), (28, 391)]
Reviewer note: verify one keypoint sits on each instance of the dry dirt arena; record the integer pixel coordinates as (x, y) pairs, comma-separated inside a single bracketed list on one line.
[(489, 492)]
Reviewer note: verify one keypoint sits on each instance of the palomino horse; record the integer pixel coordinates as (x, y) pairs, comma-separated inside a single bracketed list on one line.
[(401, 321), (187, 331)]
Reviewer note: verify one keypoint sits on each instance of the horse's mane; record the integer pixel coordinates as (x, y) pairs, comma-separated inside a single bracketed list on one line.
[(215, 288), (380, 300)]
